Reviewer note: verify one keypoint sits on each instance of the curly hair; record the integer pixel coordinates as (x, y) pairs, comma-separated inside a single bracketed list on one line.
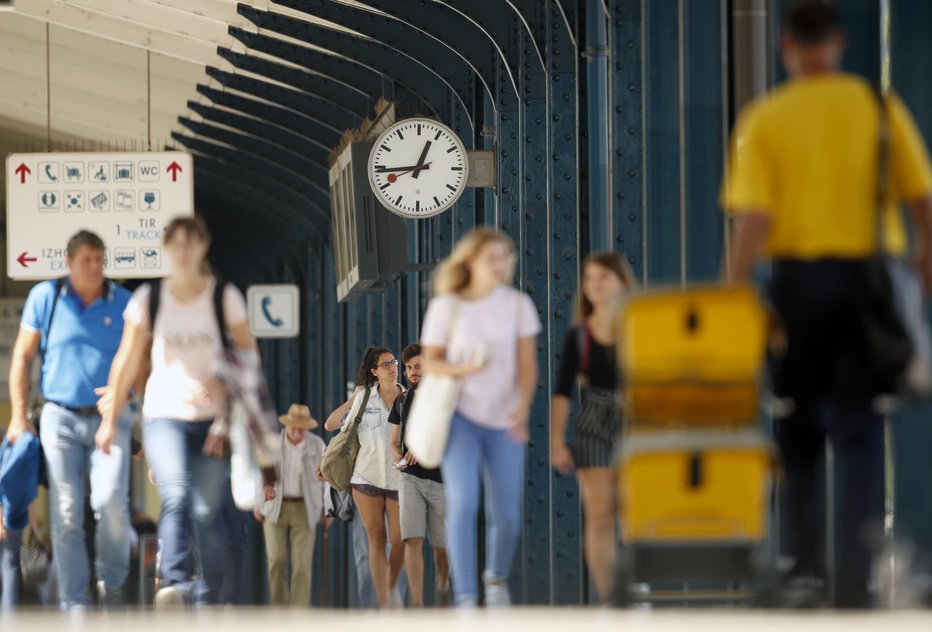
[(370, 360)]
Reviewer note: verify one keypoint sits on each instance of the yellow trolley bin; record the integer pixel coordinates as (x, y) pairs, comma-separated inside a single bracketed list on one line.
[(692, 355)]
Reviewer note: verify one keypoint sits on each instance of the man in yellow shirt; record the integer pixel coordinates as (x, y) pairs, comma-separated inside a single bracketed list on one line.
[(802, 185)]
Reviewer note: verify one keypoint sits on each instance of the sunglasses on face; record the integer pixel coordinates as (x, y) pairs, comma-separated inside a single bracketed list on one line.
[(388, 364)]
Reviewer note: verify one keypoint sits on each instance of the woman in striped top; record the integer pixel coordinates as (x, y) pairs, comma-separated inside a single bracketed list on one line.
[(589, 358)]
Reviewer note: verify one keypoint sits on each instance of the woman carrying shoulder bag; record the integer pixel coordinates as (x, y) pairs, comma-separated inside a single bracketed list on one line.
[(183, 402), (375, 480), (589, 357), (483, 331)]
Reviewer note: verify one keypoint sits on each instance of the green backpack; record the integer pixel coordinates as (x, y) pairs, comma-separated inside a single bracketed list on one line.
[(340, 456)]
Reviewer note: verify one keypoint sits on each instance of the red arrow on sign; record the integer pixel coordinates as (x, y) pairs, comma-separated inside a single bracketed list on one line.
[(21, 171), (25, 258), (173, 169)]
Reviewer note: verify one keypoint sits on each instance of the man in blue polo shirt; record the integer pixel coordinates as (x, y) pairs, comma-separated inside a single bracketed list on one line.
[(74, 326)]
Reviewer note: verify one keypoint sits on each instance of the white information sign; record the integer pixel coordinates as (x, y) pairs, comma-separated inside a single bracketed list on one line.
[(126, 198), (274, 311)]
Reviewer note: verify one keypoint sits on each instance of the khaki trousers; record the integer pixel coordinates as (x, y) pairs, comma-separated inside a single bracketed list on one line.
[(291, 525)]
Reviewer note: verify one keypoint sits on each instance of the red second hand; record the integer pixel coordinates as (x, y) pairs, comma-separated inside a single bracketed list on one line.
[(392, 177)]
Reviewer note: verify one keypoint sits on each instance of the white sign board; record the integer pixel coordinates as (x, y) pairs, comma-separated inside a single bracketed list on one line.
[(126, 198), (274, 311)]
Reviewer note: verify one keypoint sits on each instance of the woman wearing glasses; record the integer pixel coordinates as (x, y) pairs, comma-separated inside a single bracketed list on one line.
[(375, 480)]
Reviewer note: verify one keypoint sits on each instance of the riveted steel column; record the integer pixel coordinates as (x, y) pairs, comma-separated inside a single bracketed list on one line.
[(562, 105), (533, 248), (627, 131)]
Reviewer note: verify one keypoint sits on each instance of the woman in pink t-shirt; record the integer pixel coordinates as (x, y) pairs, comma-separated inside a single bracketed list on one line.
[(183, 399), (480, 329)]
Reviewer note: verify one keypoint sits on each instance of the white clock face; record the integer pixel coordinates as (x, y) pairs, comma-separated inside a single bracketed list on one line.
[(418, 168)]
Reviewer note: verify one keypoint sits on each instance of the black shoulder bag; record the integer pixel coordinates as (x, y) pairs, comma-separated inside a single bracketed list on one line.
[(891, 303)]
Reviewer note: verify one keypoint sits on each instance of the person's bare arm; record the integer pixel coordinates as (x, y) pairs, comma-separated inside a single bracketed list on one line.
[(921, 211), (396, 441), (25, 351), (335, 420), (560, 455), (527, 383), (242, 337), (750, 231), (123, 373)]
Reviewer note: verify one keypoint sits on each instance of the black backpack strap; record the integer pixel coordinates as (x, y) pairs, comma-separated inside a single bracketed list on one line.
[(155, 297), (219, 290), (59, 284)]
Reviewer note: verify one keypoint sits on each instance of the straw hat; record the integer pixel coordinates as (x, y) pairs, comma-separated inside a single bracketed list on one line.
[(299, 417)]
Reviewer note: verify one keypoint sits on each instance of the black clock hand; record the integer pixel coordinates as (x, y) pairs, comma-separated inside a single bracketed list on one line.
[(420, 161), (389, 169)]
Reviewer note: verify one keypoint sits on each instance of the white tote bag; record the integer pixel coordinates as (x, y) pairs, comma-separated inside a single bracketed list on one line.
[(428, 425), (245, 476)]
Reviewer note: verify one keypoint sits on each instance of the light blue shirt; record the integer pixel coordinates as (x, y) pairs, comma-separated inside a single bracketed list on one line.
[(82, 340)]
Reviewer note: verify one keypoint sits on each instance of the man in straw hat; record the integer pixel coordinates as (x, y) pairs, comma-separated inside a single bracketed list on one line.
[(291, 517)]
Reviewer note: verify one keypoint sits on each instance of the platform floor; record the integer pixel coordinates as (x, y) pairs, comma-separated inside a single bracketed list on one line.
[(536, 619)]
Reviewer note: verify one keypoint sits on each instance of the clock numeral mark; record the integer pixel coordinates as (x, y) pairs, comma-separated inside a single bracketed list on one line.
[(418, 129), (436, 201), (438, 134), (385, 147), (417, 206), (400, 135), (456, 168), (451, 149), (451, 187), (384, 185), (398, 201)]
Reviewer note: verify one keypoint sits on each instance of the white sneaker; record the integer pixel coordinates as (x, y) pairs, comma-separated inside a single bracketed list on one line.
[(395, 602), (496, 592), (169, 597)]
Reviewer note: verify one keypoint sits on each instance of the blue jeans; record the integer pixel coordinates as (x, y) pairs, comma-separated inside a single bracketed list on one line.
[(71, 457), (191, 487), (474, 453), (9, 570)]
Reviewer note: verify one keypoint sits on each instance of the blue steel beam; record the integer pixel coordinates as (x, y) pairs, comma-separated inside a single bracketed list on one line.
[(263, 231), (338, 68), (627, 131), (703, 137), (491, 18), (288, 162), (564, 257), (263, 129), (323, 136), (365, 52), (336, 92), (662, 138), (321, 109), (406, 39), (241, 170), (597, 101), (318, 204), (453, 30)]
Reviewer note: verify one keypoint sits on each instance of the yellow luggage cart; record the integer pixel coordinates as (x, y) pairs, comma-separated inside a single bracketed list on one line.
[(694, 472)]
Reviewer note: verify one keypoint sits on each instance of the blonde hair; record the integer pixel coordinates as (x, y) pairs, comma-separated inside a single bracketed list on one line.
[(453, 275), (612, 262)]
